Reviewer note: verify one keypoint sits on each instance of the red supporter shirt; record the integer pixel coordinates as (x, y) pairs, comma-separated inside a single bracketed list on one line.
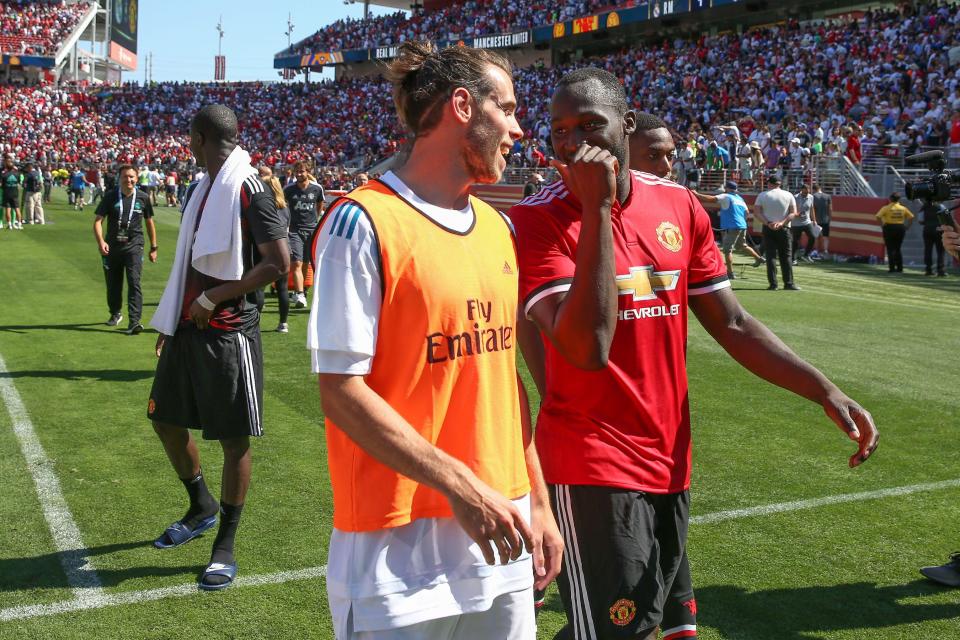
[(627, 425)]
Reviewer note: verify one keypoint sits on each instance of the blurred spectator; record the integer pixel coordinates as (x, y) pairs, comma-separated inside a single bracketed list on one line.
[(28, 27)]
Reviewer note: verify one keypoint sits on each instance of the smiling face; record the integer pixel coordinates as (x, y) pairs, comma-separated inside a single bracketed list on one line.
[(128, 180), (492, 130), (578, 118)]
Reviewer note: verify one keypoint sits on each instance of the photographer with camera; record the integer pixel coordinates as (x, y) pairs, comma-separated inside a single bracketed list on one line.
[(931, 213)]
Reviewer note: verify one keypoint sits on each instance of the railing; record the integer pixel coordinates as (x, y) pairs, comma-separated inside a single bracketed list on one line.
[(877, 157), (835, 175), (520, 175)]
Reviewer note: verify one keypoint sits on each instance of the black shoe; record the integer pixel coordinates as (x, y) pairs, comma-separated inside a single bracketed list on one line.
[(928, 272), (791, 287), (772, 287), (114, 319), (942, 275), (134, 329), (946, 574)]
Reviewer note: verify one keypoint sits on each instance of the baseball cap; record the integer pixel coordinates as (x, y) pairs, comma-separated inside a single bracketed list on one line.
[(731, 185)]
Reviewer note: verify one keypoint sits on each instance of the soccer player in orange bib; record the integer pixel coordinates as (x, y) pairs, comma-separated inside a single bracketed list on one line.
[(442, 522), (610, 262)]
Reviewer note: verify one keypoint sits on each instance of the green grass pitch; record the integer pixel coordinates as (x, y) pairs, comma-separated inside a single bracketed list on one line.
[(839, 571)]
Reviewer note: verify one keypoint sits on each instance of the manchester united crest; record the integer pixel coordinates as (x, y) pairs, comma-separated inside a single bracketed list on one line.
[(669, 236), (622, 612)]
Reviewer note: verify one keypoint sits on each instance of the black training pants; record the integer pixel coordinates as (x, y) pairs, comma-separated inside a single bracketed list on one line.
[(115, 264), (932, 238), (893, 239), (776, 245), (797, 233)]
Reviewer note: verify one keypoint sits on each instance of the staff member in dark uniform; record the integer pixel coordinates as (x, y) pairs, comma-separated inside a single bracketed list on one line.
[(932, 237), (305, 201), (126, 210), (895, 219)]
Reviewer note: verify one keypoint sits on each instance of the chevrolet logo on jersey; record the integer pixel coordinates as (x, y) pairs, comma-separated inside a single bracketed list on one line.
[(643, 282)]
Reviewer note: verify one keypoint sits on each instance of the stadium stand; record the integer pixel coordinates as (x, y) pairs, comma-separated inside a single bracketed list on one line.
[(37, 28), (879, 83), (485, 17)]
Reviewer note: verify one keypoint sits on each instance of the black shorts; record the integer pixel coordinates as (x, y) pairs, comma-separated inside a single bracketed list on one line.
[(210, 380), (10, 200), (825, 229), (298, 240), (623, 552)]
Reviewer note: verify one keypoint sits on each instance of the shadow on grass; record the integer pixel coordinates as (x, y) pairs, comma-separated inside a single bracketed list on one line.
[(880, 273), (799, 614), (104, 375), (97, 327), (46, 571)]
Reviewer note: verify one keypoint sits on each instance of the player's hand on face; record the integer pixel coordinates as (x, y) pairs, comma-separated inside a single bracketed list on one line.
[(591, 175), (547, 545), (856, 422), (491, 520), (199, 315)]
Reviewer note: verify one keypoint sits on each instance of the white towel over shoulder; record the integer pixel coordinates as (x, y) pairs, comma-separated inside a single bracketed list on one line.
[(216, 247)]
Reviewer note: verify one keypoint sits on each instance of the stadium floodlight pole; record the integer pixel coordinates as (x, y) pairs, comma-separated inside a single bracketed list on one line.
[(220, 44)]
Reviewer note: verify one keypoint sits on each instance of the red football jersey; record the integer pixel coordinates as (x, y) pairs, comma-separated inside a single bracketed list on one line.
[(627, 425)]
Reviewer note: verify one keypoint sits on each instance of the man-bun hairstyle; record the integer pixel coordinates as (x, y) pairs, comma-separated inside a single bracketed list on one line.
[(424, 77)]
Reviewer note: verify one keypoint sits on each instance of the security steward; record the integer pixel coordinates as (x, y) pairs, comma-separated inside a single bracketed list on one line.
[(126, 209), (895, 219)]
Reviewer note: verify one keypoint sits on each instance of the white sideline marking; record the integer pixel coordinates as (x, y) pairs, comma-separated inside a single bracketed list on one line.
[(813, 503), (134, 597), (80, 573)]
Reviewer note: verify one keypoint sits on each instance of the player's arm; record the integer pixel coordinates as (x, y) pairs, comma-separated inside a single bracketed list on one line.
[(547, 542), (270, 235), (581, 321), (98, 234), (705, 198), (760, 351), (488, 518), (152, 235)]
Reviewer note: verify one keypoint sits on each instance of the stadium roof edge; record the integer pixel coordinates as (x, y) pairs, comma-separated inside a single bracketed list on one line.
[(391, 4)]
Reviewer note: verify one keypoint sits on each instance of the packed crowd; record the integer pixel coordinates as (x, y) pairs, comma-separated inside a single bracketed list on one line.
[(37, 28), (281, 123), (449, 23), (771, 98)]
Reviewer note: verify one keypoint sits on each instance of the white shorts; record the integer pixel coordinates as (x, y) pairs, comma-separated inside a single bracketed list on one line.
[(510, 617)]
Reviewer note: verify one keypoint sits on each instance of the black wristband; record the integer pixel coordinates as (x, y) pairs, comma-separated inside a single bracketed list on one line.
[(153, 248)]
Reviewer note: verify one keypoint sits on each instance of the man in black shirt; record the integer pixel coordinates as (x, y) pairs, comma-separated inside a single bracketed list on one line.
[(932, 237), (210, 370), (305, 201), (10, 183), (126, 211)]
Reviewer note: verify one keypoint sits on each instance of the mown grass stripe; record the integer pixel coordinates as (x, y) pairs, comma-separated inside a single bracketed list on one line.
[(81, 575)]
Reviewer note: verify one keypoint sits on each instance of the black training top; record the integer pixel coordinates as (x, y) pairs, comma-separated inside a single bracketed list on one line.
[(125, 217), (303, 205)]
